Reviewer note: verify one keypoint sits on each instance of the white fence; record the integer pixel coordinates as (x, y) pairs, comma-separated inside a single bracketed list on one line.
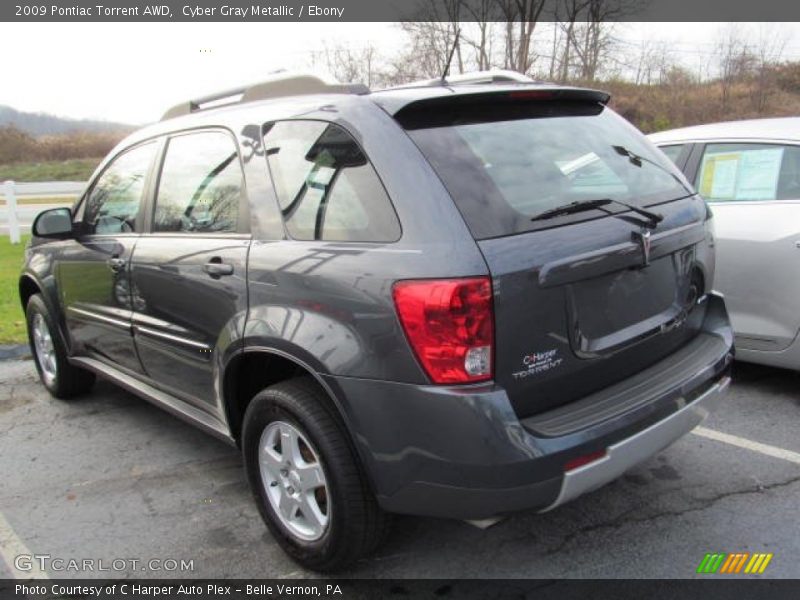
[(17, 217), (41, 189)]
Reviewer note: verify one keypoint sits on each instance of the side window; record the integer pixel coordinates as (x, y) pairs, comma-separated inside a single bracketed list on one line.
[(326, 186), (113, 202), (672, 152), (200, 184), (731, 172)]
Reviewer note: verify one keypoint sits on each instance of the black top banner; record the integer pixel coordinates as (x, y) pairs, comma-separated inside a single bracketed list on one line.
[(391, 10)]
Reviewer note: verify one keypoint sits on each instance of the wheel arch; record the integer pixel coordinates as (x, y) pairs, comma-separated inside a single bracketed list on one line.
[(256, 367), (28, 286)]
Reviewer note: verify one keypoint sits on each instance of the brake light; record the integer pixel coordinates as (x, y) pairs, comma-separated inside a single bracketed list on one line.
[(450, 325)]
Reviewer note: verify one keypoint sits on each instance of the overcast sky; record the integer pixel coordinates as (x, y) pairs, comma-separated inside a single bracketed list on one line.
[(133, 72)]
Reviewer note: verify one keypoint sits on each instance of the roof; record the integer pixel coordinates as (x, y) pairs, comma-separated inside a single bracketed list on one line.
[(787, 128)]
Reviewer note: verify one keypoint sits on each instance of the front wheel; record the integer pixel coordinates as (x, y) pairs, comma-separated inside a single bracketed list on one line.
[(61, 379), (306, 479)]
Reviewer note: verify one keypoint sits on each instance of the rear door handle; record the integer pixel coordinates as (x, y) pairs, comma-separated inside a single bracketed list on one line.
[(116, 263), (217, 268)]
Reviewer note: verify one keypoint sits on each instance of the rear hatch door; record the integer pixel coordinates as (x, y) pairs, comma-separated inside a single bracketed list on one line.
[(589, 297)]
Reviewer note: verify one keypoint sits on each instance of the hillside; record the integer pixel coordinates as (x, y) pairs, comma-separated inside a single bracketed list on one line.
[(39, 124)]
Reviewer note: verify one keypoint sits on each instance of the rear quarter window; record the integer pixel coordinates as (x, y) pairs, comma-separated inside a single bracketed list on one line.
[(327, 189)]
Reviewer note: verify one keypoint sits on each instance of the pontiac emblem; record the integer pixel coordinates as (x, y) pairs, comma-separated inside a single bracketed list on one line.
[(643, 239)]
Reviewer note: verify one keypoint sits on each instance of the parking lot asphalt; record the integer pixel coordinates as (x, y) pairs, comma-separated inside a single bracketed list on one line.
[(109, 476)]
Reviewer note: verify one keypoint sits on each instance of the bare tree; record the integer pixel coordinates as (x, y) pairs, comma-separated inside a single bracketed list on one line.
[(568, 12), (353, 65), (521, 18), (769, 48), (484, 13), (733, 57), (592, 38), (431, 38), (652, 62)]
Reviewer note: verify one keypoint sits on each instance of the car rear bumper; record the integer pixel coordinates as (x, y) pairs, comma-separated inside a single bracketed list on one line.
[(629, 452), (461, 452)]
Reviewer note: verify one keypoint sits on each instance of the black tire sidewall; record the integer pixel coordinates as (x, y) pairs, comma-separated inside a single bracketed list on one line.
[(270, 406)]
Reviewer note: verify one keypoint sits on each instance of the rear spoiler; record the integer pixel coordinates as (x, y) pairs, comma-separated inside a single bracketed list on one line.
[(508, 101), (393, 101)]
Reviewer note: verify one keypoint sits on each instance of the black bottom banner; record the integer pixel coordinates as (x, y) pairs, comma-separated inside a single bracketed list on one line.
[(400, 589)]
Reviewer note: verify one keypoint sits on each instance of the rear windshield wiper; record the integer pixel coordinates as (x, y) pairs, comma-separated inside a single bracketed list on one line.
[(637, 160), (584, 205)]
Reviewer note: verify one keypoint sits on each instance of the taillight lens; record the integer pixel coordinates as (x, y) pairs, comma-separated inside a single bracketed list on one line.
[(450, 325)]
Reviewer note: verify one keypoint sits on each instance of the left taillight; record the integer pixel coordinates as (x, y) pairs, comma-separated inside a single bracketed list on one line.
[(450, 325)]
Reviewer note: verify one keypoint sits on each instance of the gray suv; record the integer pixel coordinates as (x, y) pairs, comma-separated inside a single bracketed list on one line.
[(452, 299)]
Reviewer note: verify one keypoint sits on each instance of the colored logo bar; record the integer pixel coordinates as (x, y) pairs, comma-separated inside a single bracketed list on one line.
[(736, 562)]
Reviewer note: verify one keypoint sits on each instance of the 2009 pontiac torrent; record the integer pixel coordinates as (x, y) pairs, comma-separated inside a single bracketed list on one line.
[(450, 299)]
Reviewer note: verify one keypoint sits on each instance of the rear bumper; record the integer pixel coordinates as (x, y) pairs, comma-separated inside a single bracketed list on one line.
[(631, 451), (461, 452)]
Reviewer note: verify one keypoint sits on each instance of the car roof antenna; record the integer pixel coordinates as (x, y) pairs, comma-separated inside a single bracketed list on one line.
[(443, 81)]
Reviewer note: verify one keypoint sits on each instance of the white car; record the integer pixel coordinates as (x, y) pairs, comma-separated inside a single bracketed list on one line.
[(749, 172)]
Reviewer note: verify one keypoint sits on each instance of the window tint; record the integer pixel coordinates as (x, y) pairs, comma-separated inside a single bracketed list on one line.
[(113, 203), (731, 172), (326, 187), (506, 163), (200, 184), (672, 152)]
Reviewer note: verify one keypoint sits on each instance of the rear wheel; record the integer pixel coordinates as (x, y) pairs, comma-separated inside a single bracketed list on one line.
[(304, 474), (61, 379)]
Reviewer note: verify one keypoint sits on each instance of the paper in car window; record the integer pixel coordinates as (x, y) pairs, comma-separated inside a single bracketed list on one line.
[(758, 174), (718, 179), (745, 175)]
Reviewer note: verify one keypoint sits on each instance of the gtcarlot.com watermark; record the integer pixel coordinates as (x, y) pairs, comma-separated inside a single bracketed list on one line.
[(55, 564)]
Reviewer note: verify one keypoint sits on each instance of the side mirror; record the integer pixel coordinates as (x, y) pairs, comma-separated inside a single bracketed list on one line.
[(55, 223)]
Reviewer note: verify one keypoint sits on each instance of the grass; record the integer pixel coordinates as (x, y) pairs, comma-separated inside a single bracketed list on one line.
[(78, 169), (12, 320)]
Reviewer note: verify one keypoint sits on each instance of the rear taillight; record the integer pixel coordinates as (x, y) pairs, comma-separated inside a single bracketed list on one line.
[(450, 325)]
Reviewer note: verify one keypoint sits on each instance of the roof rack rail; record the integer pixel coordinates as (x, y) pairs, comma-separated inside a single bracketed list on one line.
[(492, 76), (475, 78), (274, 87)]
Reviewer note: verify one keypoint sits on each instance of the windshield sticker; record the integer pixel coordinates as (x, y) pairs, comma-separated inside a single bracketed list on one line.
[(538, 362)]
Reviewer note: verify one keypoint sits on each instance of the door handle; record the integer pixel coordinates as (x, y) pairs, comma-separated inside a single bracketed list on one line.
[(116, 263), (216, 268)]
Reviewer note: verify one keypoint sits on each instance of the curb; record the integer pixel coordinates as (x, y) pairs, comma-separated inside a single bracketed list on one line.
[(14, 351)]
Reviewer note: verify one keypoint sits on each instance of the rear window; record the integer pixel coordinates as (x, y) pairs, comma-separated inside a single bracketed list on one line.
[(504, 164)]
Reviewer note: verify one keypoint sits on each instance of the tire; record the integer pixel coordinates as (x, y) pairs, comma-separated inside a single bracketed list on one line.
[(61, 379), (354, 525)]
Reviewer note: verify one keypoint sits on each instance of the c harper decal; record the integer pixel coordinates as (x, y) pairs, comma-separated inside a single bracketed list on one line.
[(539, 362)]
